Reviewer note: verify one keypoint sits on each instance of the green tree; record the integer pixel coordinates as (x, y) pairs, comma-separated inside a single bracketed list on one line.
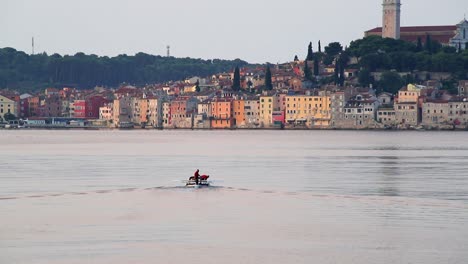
[(391, 82), (9, 116), (24, 72), (409, 79), (237, 81), (316, 66), (268, 81), (319, 47), (296, 58), (310, 53), (333, 49), (419, 46), (428, 44), (336, 74), (197, 86), (307, 71), (365, 78)]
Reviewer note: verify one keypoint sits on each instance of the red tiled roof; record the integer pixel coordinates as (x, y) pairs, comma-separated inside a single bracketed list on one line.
[(418, 29), (442, 34)]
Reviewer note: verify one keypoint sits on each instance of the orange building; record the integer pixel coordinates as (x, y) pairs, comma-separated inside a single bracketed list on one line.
[(221, 112), (238, 109)]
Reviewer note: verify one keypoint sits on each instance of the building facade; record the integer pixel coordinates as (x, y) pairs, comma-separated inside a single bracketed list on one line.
[(8, 105), (460, 40)]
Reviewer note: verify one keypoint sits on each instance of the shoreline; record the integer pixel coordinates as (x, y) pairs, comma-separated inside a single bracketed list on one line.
[(234, 129)]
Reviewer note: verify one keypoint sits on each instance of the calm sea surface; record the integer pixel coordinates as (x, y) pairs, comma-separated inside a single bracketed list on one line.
[(279, 197)]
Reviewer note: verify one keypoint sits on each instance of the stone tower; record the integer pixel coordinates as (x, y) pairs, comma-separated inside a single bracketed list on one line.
[(391, 19)]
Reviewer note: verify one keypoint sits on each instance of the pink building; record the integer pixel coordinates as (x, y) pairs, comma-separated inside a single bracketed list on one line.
[(79, 109), (278, 117)]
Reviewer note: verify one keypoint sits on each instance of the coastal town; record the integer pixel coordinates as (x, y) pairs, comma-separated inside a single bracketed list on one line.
[(211, 103), (394, 78)]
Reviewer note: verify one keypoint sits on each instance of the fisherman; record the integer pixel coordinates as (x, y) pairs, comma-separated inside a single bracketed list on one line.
[(196, 176)]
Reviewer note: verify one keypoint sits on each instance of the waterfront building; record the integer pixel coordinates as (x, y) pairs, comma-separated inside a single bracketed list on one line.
[(79, 109), (458, 111), (166, 114), (268, 105), (359, 112), (123, 111), (93, 103), (8, 105), (386, 115), (34, 104), (309, 111), (252, 112), (106, 112), (148, 111), (23, 111), (435, 112), (182, 110), (407, 113), (51, 105), (221, 109), (238, 111)]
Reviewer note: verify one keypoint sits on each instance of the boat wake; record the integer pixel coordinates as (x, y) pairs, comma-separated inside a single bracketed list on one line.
[(404, 201)]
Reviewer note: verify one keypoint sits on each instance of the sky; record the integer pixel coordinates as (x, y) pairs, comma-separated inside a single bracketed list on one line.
[(257, 31)]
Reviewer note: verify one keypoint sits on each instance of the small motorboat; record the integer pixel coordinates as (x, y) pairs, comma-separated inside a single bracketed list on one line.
[(202, 181)]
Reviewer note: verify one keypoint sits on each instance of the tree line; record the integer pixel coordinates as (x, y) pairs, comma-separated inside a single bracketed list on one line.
[(25, 72)]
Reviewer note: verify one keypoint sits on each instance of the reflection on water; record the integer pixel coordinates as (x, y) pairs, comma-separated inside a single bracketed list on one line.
[(279, 197), (389, 176)]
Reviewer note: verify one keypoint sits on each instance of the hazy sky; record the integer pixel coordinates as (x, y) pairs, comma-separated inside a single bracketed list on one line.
[(253, 30)]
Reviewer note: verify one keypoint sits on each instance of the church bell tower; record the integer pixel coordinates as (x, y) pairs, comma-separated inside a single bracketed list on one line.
[(391, 19)]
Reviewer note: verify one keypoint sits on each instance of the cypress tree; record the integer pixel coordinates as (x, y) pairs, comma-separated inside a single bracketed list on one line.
[(319, 47), (316, 66), (419, 47), (428, 44), (268, 82), (459, 47), (197, 86), (236, 82), (310, 53), (342, 68), (336, 73), (307, 72), (296, 58)]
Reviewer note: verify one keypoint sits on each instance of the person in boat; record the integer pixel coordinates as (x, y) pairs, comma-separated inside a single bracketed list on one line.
[(196, 176)]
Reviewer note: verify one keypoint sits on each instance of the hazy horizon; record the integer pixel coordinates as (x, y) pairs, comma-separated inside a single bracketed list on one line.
[(258, 32)]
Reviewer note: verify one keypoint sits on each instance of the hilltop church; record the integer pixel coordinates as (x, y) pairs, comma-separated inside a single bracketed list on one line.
[(453, 35)]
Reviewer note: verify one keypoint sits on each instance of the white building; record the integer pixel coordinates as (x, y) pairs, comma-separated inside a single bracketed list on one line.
[(460, 40)]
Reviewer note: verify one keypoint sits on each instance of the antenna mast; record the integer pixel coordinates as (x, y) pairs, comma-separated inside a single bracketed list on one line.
[(32, 45), (168, 51)]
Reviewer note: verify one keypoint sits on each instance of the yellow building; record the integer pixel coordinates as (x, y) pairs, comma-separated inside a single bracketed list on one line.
[(311, 111), (268, 105), (8, 106)]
